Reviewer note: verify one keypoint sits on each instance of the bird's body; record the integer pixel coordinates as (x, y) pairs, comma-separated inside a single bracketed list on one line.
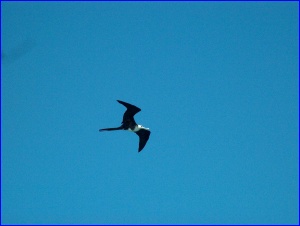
[(129, 124)]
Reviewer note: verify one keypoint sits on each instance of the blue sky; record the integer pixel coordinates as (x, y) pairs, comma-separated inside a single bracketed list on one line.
[(217, 83)]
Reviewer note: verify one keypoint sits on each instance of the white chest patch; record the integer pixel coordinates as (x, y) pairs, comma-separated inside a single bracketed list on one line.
[(137, 128)]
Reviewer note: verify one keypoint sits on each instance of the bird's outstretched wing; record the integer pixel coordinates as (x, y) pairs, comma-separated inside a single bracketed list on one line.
[(144, 136), (130, 112)]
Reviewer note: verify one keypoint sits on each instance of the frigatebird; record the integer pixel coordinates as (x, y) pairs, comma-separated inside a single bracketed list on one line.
[(129, 124)]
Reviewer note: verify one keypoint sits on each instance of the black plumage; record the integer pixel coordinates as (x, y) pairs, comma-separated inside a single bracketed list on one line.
[(128, 123)]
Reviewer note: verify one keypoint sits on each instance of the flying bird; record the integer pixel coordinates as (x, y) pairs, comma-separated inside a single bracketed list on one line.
[(129, 124)]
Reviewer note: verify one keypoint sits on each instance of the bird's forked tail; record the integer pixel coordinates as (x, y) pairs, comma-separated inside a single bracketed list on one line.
[(110, 129)]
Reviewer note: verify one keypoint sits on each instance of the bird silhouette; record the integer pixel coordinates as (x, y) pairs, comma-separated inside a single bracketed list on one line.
[(129, 124)]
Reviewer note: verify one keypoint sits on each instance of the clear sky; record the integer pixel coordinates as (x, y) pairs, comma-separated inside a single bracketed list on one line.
[(217, 83)]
